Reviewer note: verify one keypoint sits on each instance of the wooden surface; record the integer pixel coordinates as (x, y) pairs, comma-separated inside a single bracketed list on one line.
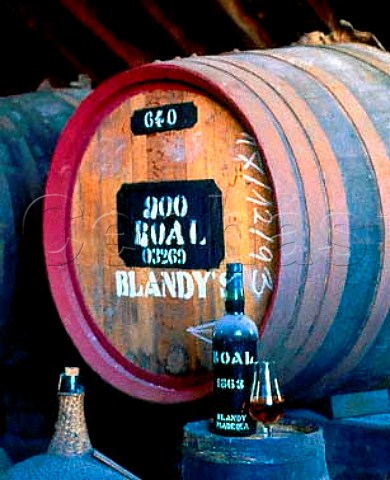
[(149, 330)]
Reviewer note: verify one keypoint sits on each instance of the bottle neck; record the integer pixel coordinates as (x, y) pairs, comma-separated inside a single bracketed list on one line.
[(234, 298), (234, 307)]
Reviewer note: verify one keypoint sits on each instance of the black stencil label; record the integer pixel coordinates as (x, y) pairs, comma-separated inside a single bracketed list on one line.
[(175, 116), (176, 224)]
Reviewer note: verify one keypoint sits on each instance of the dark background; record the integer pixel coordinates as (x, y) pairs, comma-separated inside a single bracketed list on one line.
[(53, 42), (57, 40)]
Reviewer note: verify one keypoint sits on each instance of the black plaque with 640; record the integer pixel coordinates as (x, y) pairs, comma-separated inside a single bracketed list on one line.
[(175, 116)]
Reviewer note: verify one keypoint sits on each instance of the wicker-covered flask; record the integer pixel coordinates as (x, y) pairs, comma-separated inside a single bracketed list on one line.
[(71, 433), (70, 455)]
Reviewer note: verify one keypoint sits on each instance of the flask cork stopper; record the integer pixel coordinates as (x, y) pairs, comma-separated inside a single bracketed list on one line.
[(72, 371)]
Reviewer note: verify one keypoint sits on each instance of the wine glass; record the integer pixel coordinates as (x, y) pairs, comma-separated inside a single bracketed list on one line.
[(266, 401)]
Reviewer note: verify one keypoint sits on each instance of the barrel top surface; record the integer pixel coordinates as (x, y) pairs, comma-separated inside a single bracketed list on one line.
[(284, 428), (288, 437)]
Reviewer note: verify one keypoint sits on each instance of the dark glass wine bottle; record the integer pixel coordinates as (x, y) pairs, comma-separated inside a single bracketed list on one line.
[(234, 354)]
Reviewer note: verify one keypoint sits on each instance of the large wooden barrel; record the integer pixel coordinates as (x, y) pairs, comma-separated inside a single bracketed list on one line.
[(275, 158)]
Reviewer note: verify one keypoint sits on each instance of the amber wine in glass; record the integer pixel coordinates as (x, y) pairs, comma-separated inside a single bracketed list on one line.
[(266, 401)]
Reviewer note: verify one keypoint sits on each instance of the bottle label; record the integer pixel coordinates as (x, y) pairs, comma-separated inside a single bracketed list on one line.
[(233, 358), (232, 422), (233, 374)]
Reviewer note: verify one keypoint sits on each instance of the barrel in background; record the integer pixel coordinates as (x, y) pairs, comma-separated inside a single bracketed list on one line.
[(31, 336), (30, 125), (277, 159)]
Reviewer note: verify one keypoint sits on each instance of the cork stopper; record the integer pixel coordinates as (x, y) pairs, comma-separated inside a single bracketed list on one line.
[(72, 371)]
